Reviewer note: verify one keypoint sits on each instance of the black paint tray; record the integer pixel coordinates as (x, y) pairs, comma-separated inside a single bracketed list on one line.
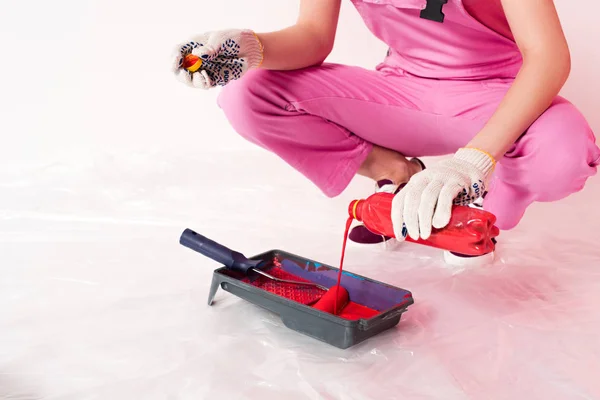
[(387, 302)]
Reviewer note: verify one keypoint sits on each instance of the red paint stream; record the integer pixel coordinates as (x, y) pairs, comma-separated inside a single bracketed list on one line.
[(348, 224)]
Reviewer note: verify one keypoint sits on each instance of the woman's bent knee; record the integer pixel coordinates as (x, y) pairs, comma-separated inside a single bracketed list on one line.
[(250, 103), (560, 151), (253, 92)]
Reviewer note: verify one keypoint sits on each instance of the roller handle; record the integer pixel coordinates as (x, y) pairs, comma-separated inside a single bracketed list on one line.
[(231, 259)]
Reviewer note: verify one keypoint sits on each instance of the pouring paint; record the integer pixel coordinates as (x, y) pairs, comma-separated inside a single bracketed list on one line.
[(339, 278), (470, 231)]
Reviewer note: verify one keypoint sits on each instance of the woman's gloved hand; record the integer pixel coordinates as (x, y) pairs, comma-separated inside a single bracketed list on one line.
[(226, 55), (427, 200)]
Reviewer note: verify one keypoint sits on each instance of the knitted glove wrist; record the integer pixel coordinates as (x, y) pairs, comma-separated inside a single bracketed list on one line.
[(484, 165), (251, 48), (482, 160)]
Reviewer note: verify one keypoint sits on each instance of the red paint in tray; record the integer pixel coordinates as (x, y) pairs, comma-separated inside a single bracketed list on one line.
[(309, 295)]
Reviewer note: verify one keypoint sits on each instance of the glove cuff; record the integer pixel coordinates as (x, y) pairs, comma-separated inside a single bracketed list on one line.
[(482, 160), (252, 48)]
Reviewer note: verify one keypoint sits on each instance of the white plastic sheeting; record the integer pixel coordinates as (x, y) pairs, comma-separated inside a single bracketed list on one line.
[(99, 301)]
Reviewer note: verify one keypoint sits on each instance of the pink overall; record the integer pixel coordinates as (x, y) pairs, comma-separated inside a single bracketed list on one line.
[(435, 90)]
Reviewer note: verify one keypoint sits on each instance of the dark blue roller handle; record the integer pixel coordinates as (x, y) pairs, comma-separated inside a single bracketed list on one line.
[(231, 259)]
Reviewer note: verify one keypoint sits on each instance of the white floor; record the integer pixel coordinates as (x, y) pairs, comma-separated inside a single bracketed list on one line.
[(99, 301)]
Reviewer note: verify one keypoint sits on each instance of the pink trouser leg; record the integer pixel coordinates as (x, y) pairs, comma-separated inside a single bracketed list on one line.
[(323, 120), (552, 160)]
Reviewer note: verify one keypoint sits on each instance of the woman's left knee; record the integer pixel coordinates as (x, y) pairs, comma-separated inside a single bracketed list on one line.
[(561, 146)]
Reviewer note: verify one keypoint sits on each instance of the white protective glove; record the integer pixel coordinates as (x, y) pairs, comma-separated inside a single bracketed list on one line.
[(427, 200), (226, 55)]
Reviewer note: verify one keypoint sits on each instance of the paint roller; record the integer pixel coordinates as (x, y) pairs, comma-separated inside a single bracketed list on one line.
[(236, 261)]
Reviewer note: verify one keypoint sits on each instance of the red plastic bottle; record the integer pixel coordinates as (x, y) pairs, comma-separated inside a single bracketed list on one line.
[(469, 232)]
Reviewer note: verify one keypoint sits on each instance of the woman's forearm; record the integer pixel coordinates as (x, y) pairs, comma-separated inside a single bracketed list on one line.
[(535, 87), (306, 43), (292, 48), (546, 66)]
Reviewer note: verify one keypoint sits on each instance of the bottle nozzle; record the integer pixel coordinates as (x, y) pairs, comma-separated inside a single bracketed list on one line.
[(353, 209)]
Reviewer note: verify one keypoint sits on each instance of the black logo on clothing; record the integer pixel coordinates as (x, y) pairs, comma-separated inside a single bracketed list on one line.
[(433, 10)]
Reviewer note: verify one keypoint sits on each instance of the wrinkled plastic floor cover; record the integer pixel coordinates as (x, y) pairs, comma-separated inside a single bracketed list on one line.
[(99, 301)]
